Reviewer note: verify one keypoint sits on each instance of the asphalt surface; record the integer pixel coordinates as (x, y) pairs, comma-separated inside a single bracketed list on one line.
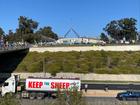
[(98, 86), (110, 86)]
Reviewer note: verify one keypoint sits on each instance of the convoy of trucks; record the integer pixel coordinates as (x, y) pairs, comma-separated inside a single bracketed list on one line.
[(35, 87)]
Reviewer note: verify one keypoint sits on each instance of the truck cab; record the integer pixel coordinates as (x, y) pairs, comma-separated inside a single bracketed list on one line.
[(9, 86)]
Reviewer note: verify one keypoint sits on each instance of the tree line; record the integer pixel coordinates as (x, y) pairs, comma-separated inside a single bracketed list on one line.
[(121, 30), (27, 30)]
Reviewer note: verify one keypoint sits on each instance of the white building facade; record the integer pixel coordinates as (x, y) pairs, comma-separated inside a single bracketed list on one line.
[(79, 41)]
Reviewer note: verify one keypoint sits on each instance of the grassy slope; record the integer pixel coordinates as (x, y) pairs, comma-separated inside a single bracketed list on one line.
[(82, 62)]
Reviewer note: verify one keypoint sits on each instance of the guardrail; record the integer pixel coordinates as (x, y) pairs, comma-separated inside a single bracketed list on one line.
[(9, 48)]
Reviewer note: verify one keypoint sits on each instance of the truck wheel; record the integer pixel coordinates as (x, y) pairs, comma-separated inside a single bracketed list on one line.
[(54, 95), (40, 96), (32, 96)]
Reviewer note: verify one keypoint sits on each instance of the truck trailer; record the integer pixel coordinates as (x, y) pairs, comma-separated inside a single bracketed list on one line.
[(36, 87)]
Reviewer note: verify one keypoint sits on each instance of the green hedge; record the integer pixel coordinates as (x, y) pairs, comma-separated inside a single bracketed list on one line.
[(82, 62)]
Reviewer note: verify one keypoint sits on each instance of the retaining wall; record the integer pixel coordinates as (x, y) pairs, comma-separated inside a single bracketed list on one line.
[(91, 76), (87, 48)]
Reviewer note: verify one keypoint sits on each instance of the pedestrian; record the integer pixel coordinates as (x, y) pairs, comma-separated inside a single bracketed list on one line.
[(86, 87), (106, 88)]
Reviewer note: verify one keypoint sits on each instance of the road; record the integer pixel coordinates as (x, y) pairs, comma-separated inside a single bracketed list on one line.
[(93, 100), (110, 86), (102, 86)]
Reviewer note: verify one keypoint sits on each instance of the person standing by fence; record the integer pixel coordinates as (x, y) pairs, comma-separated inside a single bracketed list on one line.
[(86, 87)]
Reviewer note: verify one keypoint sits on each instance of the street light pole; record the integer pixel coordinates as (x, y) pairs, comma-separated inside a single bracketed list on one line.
[(44, 71)]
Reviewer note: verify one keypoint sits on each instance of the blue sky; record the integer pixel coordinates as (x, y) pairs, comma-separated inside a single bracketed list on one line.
[(87, 17)]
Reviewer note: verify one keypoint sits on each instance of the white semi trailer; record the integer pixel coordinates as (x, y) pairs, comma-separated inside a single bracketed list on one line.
[(34, 87)]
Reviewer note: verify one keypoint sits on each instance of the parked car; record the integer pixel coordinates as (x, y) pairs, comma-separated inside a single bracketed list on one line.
[(129, 95)]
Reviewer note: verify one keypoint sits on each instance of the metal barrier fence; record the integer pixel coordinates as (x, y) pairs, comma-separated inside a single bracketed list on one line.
[(15, 47)]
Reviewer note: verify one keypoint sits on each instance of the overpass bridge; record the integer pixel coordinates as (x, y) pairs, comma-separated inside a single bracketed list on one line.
[(10, 57), (4, 50)]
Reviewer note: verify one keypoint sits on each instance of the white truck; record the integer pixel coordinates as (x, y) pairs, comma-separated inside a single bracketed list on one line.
[(34, 87)]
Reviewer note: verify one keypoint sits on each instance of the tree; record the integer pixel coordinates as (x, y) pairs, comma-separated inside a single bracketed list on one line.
[(2, 37), (104, 37), (29, 37), (25, 32), (10, 36), (47, 31), (128, 28), (138, 36), (26, 25), (123, 28), (1, 32), (113, 30), (26, 29)]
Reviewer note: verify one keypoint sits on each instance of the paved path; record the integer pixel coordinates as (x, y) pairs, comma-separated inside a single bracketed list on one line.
[(101, 93)]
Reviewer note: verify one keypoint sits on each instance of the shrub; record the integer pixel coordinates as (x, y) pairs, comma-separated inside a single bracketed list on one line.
[(9, 100), (35, 67), (53, 68)]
